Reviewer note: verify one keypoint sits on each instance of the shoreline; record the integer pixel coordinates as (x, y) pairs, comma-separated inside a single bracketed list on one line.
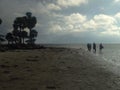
[(55, 69)]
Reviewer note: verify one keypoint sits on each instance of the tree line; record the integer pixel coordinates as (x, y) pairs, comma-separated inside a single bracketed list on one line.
[(19, 34)]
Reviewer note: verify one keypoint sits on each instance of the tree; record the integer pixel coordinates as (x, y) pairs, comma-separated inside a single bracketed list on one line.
[(16, 36), (30, 23), (10, 38), (24, 35), (33, 34), (1, 36), (1, 39), (19, 25)]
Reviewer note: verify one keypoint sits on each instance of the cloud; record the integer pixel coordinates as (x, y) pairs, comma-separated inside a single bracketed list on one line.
[(42, 9), (63, 20), (103, 19), (103, 24), (75, 18), (74, 21), (90, 24), (52, 6), (107, 23), (12, 9), (116, 1), (117, 16), (55, 28), (68, 3)]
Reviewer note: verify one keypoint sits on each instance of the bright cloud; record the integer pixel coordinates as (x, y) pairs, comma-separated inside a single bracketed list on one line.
[(52, 6), (67, 3), (76, 22), (117, 16), (67, 24), (102, 19), (90, 24), (105, 23), (116, 0), (75, 18)]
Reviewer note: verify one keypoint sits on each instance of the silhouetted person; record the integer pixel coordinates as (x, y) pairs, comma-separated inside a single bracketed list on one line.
[(101, 47), (94, 47), (0, 21), (89, 46)]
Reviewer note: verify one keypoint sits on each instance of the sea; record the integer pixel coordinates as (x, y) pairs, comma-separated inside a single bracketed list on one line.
[(110, 53)]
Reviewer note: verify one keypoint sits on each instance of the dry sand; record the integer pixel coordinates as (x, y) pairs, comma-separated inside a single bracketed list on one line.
[(55, 69)]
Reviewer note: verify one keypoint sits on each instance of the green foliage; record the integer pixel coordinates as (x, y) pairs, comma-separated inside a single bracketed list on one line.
[(9, 37), (18, 33), (31, 22), (33, 33)]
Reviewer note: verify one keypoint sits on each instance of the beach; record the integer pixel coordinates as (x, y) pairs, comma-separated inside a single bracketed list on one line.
[(56, 69)]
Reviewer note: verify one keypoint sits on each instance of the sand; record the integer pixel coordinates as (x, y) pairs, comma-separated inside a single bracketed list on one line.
[(56, 69)]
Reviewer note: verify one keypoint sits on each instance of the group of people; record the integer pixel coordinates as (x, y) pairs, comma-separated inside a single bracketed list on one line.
[(89, 46)]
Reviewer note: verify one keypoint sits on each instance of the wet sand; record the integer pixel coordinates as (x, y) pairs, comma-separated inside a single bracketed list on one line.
[(55, 69)]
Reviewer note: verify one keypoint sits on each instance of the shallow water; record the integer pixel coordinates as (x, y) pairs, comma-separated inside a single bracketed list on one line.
[(110, 53)]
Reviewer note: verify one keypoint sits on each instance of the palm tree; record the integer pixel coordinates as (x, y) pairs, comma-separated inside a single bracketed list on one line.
[(24, 35), (1, 36), (33, 34), (30, 22), (9, 37), (19, 25), (1, 39), (16, 36)]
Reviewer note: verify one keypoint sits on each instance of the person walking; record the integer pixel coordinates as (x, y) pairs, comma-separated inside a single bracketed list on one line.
[(101, 47), (94, 47), (89, 46)]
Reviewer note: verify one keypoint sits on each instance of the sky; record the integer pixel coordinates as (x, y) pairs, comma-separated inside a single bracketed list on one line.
[(66, 21)]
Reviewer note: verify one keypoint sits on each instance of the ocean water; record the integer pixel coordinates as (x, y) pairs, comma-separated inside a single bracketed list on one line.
[(110, 53)]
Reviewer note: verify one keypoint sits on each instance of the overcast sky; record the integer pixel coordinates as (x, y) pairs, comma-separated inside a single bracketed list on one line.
[(67, 21)]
